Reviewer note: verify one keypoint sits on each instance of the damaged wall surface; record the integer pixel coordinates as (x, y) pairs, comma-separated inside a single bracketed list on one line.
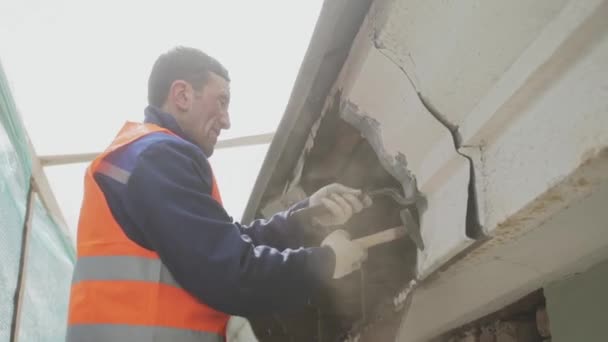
[(527, 103), (498, 112)]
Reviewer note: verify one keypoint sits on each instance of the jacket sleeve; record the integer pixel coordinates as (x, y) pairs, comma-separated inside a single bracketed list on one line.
[(168, 198), (279, 231)]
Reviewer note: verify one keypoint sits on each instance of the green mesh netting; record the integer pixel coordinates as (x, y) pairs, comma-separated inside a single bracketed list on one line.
[(13, 129), (15, 172), (47, 280), (50, 256)]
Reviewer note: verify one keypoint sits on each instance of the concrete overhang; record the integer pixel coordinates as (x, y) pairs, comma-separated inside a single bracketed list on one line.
[(500, 112)]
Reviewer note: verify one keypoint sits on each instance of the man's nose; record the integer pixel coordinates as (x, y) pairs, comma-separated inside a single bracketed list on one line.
[(225, 120)]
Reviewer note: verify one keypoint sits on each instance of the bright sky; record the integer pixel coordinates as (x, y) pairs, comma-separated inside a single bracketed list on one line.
[(78, 70)]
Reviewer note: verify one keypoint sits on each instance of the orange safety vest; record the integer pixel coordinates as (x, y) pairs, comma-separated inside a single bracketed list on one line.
[(122, 291)]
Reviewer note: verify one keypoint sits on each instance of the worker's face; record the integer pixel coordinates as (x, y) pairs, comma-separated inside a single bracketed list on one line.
[(204, 112)]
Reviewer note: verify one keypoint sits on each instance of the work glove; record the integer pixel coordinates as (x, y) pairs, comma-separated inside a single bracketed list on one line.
[(239, 330), (341, 201), (349, 255)]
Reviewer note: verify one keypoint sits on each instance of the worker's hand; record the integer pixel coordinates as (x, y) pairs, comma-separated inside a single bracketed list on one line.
[(239, 330), (341, 201), (349, 255)]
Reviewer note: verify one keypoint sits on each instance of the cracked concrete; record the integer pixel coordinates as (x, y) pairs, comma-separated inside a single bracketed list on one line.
[(408, 130), (460, 48), (512, 121), (474, 227), (370, 129)]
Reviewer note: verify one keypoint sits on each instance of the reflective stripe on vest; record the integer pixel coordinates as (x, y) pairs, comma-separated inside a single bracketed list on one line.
[(114, 172), (120, 290), (130, 333), (132, 268)]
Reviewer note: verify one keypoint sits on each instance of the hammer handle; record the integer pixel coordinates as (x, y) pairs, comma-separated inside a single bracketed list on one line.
[(384, 236)]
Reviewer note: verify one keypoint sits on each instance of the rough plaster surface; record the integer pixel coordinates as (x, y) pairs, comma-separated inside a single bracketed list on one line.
[(544, 147), (456, 50), (544, 158), (562, 42)]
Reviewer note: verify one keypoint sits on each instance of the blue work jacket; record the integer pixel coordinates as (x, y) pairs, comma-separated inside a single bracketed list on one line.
[(166, 206)]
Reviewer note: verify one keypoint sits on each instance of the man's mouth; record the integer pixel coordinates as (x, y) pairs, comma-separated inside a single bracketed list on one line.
[(215, 133)]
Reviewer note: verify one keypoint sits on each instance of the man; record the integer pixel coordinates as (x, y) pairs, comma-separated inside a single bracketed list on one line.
[(159, 259)]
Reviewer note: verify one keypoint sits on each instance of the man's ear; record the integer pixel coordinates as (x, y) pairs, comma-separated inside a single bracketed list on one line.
[(180, 94)]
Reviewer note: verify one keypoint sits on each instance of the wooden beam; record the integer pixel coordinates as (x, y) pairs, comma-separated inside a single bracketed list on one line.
[(41, 185), (248, 140), (63, 159)]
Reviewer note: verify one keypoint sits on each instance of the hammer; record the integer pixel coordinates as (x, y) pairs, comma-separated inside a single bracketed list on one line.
[(410, 226)]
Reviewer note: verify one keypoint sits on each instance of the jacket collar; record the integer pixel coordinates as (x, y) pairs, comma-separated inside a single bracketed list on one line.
[(157, 116)]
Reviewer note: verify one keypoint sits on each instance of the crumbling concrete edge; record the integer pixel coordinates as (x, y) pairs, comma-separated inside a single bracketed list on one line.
[(370, 129)]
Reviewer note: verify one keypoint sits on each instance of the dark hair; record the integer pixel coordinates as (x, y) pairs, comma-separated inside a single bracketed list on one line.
[(181, 63)]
